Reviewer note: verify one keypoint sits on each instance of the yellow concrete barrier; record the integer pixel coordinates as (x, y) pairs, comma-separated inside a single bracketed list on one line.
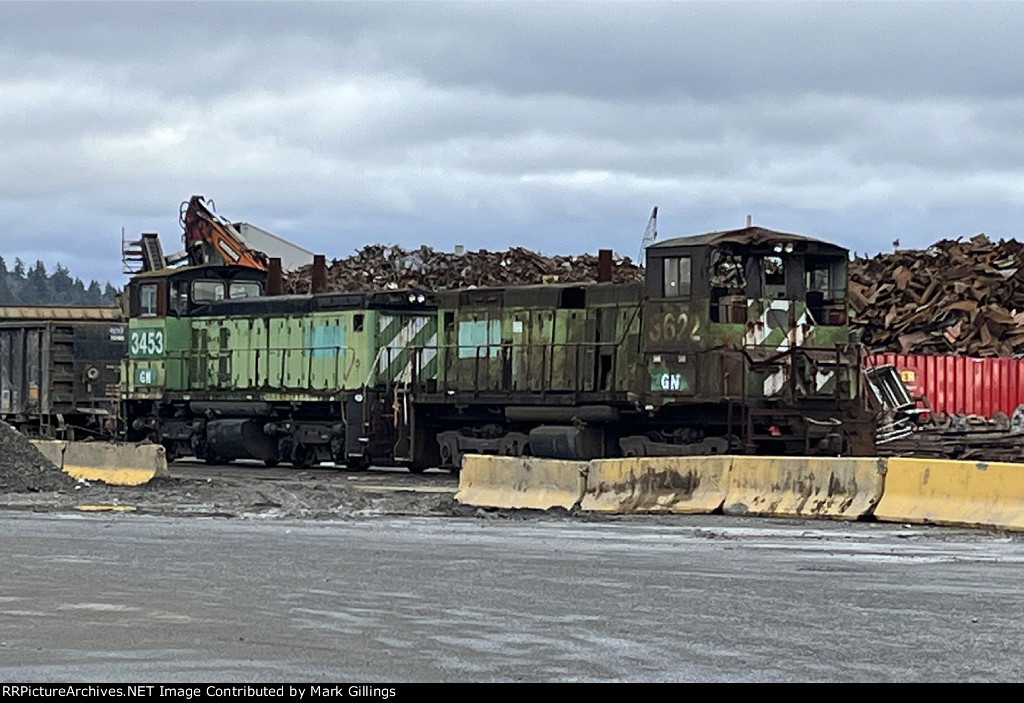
[(116, 464), (846, 488), (947, 492), (52, 449), (676, 484), (520, 482)]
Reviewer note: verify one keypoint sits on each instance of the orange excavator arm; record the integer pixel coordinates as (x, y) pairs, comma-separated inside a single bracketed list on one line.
[(211, 239)]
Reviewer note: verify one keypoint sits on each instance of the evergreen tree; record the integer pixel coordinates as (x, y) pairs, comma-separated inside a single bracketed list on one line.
[(37, 289), (62, 287), (6, 296), (93, 295)]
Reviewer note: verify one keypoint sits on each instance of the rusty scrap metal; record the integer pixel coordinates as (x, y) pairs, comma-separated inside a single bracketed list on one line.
[(379, 267), (955, 297), (965, 437)]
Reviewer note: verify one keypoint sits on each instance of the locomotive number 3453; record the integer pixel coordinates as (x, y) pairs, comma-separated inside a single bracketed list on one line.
[(146, 342)]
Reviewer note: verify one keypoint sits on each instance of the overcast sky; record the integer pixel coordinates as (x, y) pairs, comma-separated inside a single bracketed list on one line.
[(553, 126)]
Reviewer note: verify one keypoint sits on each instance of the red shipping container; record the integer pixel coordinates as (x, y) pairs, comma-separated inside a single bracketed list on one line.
[(962, 385)]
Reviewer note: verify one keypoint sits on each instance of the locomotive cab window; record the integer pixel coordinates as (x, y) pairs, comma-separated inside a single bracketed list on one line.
[(774, 272), (206, 291), (825, 286), (828, 277), (148, 300), (728, 299), (244, 289), (676, 277), (179, 297)]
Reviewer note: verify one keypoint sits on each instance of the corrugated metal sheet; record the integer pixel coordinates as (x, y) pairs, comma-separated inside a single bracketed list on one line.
[(961, 384), (58, 312)]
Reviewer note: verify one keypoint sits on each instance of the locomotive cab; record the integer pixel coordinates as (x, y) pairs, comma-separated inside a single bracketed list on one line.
[(159, 305), (732, 270), (180, 292), (756, 320)]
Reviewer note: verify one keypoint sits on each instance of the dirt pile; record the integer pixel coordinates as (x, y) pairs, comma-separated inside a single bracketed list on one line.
[(378, 267), (23, 469), (955, 297)]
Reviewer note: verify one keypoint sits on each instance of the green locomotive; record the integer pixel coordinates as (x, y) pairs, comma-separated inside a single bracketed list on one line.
[(218, 370), (736, 342)]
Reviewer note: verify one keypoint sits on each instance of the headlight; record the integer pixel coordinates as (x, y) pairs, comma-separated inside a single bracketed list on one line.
[(421, 298), (358, 397), (412, 297)]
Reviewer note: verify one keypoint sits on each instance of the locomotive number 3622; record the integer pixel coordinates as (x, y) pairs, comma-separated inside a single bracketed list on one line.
[(674, 327), (146, 342)]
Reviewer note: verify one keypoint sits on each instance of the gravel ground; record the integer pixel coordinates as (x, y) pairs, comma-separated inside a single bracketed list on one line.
[(29, 481), (317, 495)]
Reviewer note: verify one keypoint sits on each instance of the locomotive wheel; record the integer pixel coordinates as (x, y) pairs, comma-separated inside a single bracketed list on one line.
[(270, 463), (416, 469), (302, 458), (358, 463), (212, 457)]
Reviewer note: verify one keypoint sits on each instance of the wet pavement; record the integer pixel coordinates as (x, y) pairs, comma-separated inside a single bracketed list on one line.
[(390, 599)]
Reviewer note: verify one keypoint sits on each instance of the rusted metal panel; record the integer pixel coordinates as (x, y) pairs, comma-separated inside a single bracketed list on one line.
[(961, 385)]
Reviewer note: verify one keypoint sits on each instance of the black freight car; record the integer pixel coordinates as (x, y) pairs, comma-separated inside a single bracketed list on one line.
[(60, 370)]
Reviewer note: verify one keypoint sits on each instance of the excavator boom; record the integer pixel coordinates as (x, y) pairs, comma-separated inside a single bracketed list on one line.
[(211, 239)]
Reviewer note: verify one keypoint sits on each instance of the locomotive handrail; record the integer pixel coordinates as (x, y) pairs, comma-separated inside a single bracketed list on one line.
[(192, 360), (500, 353), (791, 353)]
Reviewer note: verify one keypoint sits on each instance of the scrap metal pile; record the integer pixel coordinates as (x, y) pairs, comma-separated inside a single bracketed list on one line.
[(378, 267), (906, 428), (956, 297)]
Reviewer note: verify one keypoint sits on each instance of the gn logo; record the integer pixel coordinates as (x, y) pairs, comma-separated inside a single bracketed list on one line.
[(668, 382), (145, 377)]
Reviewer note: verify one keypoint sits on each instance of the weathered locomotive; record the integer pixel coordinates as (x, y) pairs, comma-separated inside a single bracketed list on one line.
[(736, 341)]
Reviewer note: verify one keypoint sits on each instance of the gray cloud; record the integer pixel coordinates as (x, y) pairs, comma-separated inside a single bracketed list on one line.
[(553, 125)]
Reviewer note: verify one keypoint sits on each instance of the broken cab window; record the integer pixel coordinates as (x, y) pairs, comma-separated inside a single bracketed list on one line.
[(774, 277), (728, 288)]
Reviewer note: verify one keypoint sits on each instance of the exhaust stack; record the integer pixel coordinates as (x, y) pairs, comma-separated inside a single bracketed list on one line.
[(319, 283), (604, 265), (275, 279)]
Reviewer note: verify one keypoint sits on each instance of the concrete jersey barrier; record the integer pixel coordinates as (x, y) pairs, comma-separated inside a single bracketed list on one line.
[(116, 464), (834, 487), (694, 484), (520, 482), (948, 492)]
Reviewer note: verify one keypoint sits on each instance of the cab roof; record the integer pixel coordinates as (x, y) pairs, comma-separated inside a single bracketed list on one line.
[(746, 235)]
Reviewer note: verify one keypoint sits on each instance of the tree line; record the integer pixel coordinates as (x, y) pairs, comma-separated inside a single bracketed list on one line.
[(35, 286)]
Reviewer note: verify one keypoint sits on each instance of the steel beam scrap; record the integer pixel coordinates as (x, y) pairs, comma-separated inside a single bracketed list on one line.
[(955, 297), (379, 267)]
